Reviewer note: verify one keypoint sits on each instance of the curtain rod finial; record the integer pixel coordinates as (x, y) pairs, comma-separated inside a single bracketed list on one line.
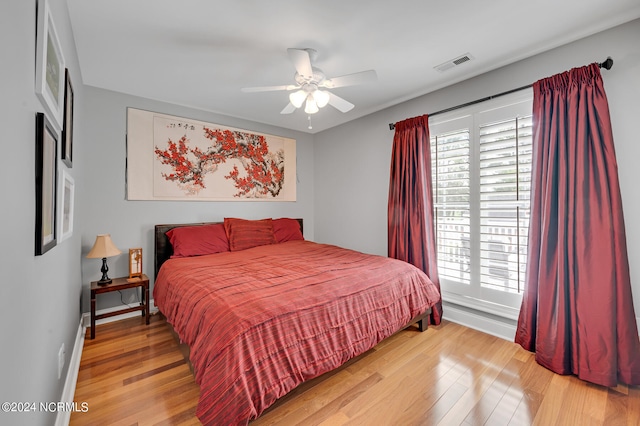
[(392, 126), (607, 64)]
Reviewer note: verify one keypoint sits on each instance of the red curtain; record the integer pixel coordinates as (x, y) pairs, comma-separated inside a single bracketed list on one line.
[(410, 210), (577, 312)]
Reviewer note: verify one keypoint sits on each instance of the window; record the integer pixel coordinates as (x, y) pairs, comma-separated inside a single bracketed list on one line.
[(481, 165)]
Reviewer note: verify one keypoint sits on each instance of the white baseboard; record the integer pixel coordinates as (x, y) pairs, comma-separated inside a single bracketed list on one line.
[(487, 325), (479, 322), (86, 317), (64, 416)]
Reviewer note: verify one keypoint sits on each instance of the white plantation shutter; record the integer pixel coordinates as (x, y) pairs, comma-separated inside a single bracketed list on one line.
[(450, 160), (481, 166), (505, 184)]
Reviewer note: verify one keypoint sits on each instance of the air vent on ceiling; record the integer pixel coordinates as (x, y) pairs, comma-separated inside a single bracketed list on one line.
[(454, 62)]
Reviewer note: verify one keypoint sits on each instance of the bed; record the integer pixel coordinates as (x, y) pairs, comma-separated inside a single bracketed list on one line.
[(260, 320)]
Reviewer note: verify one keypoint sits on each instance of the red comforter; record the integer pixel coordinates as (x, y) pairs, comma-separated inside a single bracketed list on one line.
[(261, 321)]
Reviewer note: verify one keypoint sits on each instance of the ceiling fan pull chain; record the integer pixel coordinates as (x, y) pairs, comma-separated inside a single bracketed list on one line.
[(309, 118)]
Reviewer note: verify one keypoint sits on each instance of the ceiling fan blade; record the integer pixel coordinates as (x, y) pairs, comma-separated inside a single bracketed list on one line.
[(302, 61), (268, 88), (288, 109), (340, 104), (351, 79)]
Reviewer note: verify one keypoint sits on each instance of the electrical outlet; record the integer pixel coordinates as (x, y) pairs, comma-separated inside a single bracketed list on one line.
[(61, 356)]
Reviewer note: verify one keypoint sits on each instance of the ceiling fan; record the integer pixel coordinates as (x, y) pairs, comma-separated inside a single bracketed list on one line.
[(311, 82)]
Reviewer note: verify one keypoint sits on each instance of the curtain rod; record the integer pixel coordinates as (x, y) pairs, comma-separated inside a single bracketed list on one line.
[(607, 64)]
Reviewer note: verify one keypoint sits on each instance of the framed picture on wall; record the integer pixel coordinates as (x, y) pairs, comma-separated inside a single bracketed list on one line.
[(67, 128), (49, 66), (178, 158), (67, 193), (46, 189)]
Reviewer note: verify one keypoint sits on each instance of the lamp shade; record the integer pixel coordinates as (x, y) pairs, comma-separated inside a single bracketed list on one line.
[(321, 97), (310, 106), (297, 98), (103, 247)]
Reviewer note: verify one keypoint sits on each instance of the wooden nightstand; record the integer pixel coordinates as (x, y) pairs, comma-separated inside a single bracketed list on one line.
[(120, 284)]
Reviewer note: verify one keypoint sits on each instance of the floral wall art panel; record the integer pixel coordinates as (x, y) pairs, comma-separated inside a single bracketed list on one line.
[(176, 158)]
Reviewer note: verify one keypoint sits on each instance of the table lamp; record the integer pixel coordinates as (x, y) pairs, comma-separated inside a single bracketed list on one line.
[(103, 248)]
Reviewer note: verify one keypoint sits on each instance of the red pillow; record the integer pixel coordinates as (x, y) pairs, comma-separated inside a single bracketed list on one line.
[(286, 229), (244, 234), (198, 240)]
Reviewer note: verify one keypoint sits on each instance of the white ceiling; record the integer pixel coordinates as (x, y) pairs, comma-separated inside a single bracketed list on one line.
[(200, 53)]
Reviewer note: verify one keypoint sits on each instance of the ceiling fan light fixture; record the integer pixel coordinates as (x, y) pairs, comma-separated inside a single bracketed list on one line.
[(309, 81), (311, 107), (297, 98), (321, 98)]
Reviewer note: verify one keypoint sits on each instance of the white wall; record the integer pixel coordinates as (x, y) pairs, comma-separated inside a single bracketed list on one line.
[(352, 161), (39, 295), (104, 209)]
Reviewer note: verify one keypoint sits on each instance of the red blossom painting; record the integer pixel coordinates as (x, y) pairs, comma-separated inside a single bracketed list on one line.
[(182, 159), (262, 171)]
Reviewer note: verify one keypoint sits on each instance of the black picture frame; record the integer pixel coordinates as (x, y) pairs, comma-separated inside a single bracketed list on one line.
[(46, 185), (67, 129)]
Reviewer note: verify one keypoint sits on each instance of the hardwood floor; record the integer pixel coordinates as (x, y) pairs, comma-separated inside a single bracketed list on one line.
[(133, 374)]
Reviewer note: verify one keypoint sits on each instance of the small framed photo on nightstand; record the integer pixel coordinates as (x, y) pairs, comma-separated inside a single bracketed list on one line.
[(135, 263)]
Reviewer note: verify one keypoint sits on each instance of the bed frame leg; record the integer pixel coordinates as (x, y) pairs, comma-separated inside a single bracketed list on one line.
[(423, 324)]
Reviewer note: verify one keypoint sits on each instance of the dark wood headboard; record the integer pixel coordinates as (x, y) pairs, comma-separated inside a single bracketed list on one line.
[(162, 246)]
